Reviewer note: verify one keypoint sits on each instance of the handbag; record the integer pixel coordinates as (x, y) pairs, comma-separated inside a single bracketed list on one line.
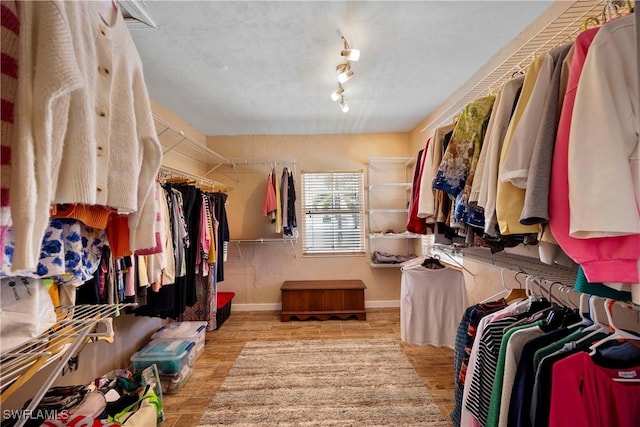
[(26, 311), (146, 414)]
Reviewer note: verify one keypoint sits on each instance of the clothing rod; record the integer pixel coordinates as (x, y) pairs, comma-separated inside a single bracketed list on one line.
[(251, 162), (519, 263), (203, 181)]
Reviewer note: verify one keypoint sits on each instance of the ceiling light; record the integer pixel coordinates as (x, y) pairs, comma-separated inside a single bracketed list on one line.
[(338, 92), (348, 53), (343, 105), (351, 54), (344, 72)]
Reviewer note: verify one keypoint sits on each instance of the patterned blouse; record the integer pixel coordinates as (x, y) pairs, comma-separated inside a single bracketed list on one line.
[(464, 149)]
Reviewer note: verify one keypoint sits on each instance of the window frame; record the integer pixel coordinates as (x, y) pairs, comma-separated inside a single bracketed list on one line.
[(359, 248)]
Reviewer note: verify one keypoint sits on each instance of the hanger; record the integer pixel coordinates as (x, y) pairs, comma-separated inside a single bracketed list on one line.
[(618, 334), (493, 297), (597, 327), (583, 309), (592, 19), (433, 263), (515, 293)]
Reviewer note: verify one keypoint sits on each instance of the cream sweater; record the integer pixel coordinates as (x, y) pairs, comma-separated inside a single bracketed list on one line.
[(85, 131)]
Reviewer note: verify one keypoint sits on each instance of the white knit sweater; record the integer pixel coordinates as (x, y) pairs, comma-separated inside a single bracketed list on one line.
[(85, 130)]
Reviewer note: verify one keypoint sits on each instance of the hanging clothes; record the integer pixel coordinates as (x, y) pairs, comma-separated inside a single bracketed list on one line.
[(464, 148), (509, 198), (492, 146), (289, 228), (269, 206), (220, 213), (435, 150), (620, 253), (416, 224), (109, 158), (535, 208), (465, 337), (9, 69), (592, 393), (284, 196), (278, 213)]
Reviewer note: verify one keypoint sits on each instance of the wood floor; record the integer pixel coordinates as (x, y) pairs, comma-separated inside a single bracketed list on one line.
[(184, 408)]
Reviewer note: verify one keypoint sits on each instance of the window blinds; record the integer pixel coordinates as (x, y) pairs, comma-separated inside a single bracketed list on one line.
[(333, 212)]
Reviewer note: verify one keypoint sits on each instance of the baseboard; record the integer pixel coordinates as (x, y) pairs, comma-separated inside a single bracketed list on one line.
[(382, 304), (278, 306), (256, 307)]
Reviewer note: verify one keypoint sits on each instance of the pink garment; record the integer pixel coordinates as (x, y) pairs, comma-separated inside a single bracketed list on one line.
[(416, 224), (610, 259), (203, 232), (157, 226), (130, 283), (269, 205), (586, 395)]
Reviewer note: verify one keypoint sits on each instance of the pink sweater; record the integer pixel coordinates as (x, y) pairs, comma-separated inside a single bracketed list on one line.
[(586, 395), (610, 259)]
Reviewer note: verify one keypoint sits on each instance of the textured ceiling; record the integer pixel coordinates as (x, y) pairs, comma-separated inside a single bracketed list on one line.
[(268, 68)]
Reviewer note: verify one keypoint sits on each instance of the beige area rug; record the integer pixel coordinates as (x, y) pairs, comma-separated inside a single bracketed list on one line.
[(350, 382)]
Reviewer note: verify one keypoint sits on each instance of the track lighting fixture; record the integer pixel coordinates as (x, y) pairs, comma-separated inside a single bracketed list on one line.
[(338, 93), (343, 105), (348, 53), (344, 71)]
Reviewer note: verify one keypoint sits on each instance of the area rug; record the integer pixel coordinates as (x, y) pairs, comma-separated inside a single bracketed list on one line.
[(350, 382)]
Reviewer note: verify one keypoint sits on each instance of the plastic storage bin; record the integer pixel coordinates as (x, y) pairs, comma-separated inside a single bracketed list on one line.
[(191, 331), (173, 383), (170, 356)]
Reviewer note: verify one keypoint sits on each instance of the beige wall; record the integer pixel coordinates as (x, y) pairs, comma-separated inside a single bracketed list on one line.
[(256, 276)]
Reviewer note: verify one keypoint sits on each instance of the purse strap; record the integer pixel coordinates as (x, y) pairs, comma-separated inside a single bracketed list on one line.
[(149, 394)]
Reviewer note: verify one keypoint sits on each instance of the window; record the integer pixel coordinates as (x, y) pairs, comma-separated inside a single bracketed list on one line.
[(333, 212)]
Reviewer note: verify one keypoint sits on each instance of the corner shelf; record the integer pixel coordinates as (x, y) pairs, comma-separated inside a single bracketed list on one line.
[(389, 184)]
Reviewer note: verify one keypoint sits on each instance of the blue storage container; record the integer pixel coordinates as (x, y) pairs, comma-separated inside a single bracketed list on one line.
[(170, 356)]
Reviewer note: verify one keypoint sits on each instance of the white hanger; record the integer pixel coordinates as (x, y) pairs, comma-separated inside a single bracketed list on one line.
[(597, 327), (505, 290), (618, 334), (582, 310)]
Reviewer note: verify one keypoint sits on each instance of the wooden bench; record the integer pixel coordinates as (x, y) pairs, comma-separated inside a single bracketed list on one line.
[(322, 299)]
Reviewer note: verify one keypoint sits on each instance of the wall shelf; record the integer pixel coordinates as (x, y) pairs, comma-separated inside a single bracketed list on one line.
[(167, 172), (560, 23), (395, 236), (406, 161), (525, 264), (258, 241), (76, 326), (387, 201), (374, 265), (373, 211), (405, 185), (175, 140)]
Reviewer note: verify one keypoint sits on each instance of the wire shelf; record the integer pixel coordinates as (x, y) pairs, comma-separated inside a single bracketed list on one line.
[(525, 264), (562, 28)]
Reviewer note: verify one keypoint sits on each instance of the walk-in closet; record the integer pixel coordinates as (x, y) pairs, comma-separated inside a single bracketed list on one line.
[(320, 213)]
